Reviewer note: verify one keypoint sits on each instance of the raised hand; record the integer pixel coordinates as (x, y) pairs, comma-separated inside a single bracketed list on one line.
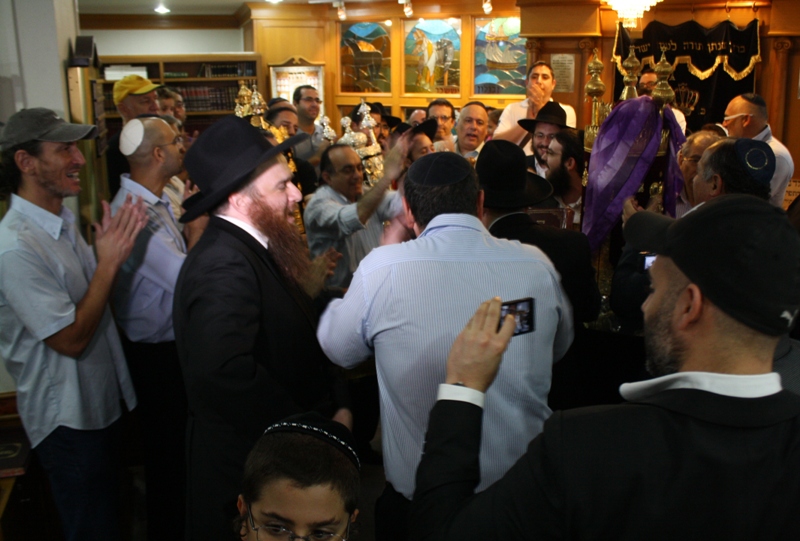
[(476, 354), (115, 236)]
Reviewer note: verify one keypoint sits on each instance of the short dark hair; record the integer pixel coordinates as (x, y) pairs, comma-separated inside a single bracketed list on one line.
[(725, 162), (325, 162), (10, 175), (298, 92), (571, 147), (428, 202), (494, 115), (303, 460), (165, 93), (275, 111), (442, 102), (757, 101), (540, 63)]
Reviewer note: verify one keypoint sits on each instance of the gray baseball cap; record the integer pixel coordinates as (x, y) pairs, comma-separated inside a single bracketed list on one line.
[(40, 124)]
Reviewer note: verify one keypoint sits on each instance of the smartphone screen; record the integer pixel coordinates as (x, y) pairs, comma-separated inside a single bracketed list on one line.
[(522, 310)]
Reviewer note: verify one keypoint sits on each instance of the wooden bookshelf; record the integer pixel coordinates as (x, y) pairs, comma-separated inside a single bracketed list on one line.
[(209, 83)]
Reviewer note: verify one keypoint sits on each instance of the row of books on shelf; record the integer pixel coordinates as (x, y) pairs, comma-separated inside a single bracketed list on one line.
[(195, 98), (237, 69)]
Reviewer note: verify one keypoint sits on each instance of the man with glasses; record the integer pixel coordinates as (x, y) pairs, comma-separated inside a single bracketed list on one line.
[(444, 113), (550, 119), (341, 217), (688, 157), (307, 101), (647, 83), (746, 116), (539, 84), (143, 300)]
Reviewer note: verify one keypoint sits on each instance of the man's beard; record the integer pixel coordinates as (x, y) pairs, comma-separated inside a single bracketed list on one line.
[(560, 180), (286, 246), (663, 351)]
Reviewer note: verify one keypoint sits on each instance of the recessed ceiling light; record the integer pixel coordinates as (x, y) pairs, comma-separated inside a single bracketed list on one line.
[(388, 22), (274, 1), (161, 9)]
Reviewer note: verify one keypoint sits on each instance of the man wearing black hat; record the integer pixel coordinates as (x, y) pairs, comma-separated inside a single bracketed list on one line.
[(565, 167), (509, 188), (244, 322), (542, 130), (695, 453), (57, 334), (406, 304)]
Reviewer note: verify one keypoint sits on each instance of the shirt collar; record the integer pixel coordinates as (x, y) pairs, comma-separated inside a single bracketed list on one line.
[(724, 384), (52, 224), (764, 134), (464, 221), (140, 191), (260, 237)]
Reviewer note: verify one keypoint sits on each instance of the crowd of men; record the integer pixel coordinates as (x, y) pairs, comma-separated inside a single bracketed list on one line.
[(226, 319)]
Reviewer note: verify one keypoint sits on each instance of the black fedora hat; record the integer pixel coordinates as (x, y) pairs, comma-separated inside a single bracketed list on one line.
[(222, 158), (551, 113), (505, 179), (391, 121), (428, 127)]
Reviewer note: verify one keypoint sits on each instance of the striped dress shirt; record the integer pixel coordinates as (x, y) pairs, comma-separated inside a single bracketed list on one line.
[(406, 305)]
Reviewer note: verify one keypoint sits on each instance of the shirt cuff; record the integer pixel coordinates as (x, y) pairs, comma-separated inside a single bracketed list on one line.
[(461, 393)]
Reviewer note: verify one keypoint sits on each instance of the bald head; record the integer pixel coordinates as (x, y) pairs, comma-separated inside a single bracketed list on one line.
[(156, 131), (158, 155), (746, 116)]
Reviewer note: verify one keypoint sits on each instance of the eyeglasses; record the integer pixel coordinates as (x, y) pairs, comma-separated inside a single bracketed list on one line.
[(540, 135), (309, 99), (178, 139), (276, 531), (731, 117), (651, 84), (443, 118)]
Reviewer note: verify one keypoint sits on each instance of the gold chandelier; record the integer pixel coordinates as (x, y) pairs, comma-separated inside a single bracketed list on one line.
[(630, 11)]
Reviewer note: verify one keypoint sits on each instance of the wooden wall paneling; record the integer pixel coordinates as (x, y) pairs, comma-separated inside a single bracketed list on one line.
[(791, 129), (779, 60), (107, 21)]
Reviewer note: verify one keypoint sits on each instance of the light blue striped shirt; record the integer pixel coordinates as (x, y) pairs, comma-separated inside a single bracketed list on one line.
[(408, 302), (146, 282)]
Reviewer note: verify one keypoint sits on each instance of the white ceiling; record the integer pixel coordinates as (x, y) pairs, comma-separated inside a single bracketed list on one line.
[(178, 7)]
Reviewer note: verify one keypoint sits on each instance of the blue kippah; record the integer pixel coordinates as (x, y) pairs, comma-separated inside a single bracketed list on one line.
[(439, 169), (757, 159)]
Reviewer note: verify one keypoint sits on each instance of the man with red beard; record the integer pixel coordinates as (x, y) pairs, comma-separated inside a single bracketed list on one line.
[(243, 316)]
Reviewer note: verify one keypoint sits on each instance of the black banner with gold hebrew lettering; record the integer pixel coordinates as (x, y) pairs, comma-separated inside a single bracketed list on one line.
[(712, 65)]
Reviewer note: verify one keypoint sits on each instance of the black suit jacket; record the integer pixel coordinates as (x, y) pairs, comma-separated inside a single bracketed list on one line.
[(247, 344), (568, 250), (682, 464)]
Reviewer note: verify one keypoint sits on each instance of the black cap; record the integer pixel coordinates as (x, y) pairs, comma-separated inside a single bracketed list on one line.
[(40, 124), (439, 169), (322, 428), (550, 113), (742, 252), (428, 127), (757, 158)]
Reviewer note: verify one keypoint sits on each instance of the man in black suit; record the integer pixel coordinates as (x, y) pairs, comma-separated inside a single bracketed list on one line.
[(508, 189), (710, 450), (243, 316)]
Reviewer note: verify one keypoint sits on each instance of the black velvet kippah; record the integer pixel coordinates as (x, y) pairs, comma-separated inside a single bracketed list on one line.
[(757, 158), (439, 169)]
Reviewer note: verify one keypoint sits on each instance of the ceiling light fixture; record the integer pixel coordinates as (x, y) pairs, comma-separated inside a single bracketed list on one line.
[(408, 9), (630, 11), (388, 22), (487, 6), (340, 10), (161, 9), (274, 1)]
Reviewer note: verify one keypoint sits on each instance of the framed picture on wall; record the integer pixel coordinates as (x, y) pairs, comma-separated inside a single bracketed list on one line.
[(365, 52), (298, 71), (432, 56), (500, 56)]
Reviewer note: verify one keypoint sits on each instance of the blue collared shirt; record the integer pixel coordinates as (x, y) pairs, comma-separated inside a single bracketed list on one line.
[(332, 222), (45, 269), (408, 302), (146, 282)]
